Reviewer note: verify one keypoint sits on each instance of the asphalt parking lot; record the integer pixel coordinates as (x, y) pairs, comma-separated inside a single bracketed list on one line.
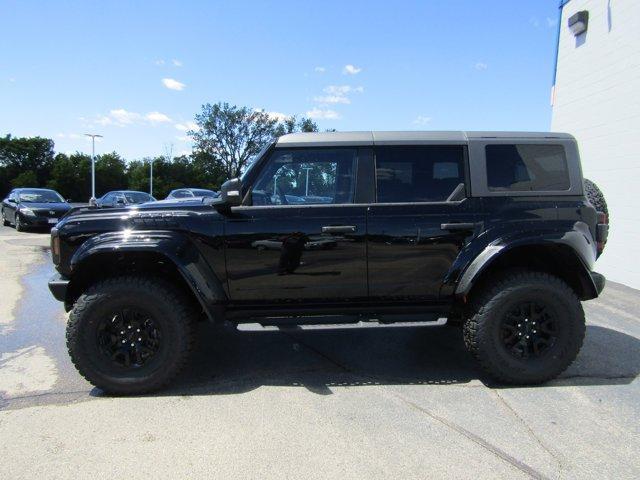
[(375, 403)]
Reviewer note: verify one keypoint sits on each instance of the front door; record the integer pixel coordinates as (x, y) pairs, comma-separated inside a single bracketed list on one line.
[(420, 221), (303, 236)]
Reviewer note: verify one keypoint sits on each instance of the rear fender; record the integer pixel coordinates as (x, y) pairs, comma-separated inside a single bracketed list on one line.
[(568, 254)]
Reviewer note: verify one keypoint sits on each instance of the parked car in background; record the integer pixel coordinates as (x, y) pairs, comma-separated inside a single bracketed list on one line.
[(120, 198), (33, 207), (192, 192)]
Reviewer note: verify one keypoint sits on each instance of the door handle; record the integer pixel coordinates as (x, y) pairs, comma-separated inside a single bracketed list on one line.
[(458, 226), (339, 229)]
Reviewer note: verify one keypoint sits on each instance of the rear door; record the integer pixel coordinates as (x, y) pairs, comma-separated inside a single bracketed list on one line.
[(303, 236), (421, 220)]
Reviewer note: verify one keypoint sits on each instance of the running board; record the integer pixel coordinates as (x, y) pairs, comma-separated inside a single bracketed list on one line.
[(257, 327)]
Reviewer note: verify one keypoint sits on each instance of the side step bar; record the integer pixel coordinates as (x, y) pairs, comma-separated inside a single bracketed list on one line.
[(258, 327)]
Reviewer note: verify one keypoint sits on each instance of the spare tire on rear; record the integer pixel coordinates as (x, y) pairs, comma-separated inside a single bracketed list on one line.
[(595, 197)]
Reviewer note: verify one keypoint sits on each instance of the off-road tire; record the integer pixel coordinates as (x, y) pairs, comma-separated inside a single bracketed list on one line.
[(482, 328), (595, 196), (174, 313)]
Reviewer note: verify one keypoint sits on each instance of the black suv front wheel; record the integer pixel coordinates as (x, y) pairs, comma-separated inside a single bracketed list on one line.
[(130, 335), (526, 328)]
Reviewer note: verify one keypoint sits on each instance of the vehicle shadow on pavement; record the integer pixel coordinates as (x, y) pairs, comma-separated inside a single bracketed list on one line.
[(231, 362)]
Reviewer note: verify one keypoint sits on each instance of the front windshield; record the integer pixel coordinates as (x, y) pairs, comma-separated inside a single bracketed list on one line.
[(138, 197), (253, 160), (40, 196)]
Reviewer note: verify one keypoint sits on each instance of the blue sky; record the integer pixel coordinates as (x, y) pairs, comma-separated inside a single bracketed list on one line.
[(137, 72)]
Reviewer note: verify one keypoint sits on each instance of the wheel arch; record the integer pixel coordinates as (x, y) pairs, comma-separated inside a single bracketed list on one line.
[(167, 254), (554, 258)]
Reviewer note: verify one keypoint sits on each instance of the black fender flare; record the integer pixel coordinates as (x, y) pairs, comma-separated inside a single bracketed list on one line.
[(573, 247), (176, 247)]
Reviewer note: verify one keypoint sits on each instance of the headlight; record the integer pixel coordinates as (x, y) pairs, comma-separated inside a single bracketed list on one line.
[(27, 211)]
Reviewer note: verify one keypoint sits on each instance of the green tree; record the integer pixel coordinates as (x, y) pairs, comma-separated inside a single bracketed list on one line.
[(21, 155), (25, 179), (231, 135)]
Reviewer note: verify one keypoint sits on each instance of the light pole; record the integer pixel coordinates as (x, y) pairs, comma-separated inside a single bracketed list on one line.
[(92, 200), (306, 188), (151, 179)]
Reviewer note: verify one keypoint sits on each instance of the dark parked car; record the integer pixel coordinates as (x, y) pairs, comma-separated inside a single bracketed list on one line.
[(191, 193), (118, 198), (494, 232), (33, 207)]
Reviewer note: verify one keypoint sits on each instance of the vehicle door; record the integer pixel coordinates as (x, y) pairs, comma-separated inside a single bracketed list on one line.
[(301, 236), (420, 221)]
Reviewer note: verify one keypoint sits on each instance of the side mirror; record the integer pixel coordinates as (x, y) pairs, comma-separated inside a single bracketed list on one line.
[(231, 192)]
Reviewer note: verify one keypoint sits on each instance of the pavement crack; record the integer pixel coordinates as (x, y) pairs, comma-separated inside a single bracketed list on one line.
[(496, 451), (533, 435)]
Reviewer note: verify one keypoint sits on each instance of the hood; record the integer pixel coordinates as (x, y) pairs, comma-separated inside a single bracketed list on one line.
[(46, 206)]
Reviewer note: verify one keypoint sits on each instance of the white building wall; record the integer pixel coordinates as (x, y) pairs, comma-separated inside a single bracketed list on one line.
[(597, 99)]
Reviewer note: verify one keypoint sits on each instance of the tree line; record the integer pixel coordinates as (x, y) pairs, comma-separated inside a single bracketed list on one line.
[(224, 143)]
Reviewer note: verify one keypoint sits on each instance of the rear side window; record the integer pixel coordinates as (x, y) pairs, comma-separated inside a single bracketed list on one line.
[(522, 168), (428, 173)]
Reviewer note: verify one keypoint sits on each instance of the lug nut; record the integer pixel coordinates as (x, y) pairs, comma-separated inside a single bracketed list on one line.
[(138, 330), (123, 341), (519, 324), (535, 331), (133, 344), (139, 339), (129, 327), (527, 337)]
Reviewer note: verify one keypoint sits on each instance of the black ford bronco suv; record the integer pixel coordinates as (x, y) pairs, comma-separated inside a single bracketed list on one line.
[(489, 231)]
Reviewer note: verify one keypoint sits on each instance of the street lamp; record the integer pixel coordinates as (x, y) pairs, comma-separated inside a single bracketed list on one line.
[(92, 200), (306, 188)]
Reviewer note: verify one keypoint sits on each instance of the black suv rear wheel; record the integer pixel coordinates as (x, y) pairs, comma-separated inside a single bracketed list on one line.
[(526, 328), (130, 335)]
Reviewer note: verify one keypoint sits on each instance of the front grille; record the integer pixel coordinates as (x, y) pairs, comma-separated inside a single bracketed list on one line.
[(47, 213)]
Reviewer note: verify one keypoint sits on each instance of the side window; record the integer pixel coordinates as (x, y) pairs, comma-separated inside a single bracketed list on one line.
[(527, 168), (108, 198), (428, 173), (306, 177), (182, 194)]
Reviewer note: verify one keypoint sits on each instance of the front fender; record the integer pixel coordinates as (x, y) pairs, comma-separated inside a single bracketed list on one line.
[(177, 247)]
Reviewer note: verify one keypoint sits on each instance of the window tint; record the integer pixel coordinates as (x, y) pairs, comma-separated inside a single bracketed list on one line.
[(182, 194), (307, 176), (427, 173), (526, 168)]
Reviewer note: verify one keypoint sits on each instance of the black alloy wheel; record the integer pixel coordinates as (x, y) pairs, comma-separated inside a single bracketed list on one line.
[(129, 338), (529, 329)]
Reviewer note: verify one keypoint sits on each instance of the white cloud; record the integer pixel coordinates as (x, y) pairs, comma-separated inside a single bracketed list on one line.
[(332, 99), (319, 114), (184, 127), (120, 117), (421, 120), (351, 70), (69, 135), (157, 117), (184, 138), (176, 63), (172, 84), (552, 22), (534, 21), (341, 90), (320, 69), (480, 66), (279, 116), (124, 117), (159, 62)]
